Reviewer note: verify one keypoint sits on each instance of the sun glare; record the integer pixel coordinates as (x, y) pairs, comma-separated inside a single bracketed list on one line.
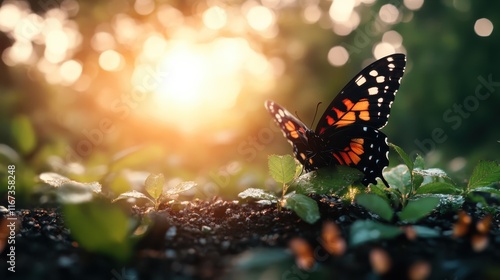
[(186, 76), (199, 82)]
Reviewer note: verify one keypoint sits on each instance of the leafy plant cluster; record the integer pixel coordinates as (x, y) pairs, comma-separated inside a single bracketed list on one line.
[(414, 193), (100, 226), (286, 170)]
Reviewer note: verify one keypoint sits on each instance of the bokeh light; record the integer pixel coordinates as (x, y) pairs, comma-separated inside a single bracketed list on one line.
[(483, 27), (338, 56), (110, 60), (413, 4), (389, 14), (260, 18), (214, 17), (70, 71), (340, 10)]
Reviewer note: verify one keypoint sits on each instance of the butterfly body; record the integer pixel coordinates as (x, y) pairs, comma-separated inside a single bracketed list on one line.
[(348, 131)]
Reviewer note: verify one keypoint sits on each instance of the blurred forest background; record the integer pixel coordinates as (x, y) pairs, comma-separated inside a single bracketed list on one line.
[(114, 90)]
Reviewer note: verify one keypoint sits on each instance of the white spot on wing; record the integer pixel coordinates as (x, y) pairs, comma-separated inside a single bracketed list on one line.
[(390, 59), (380, 79), (373, 91), (373, 73), (361, 80)]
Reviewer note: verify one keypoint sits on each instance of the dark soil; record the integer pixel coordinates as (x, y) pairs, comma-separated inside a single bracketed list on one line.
[(228, 240)]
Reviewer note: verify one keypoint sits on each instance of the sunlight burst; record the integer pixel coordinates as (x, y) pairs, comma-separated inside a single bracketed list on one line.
[(198, 83)]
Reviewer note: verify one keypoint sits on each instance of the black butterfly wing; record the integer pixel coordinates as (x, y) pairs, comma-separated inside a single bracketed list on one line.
[(351, 122), (366, 100), (294, 131), (362, 147)]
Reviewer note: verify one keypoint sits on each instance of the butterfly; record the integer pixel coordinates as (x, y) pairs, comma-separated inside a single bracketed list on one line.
[(348, 131)]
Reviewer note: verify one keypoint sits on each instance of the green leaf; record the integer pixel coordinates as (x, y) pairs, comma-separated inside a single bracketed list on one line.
[(181, 187), (132, 194), (431, 172), (99, 227), (438, 188), (399, 177), (298, 169), (327, 180), (75, 192), (154, 185), (488, 190), (417, 180), (369, 230), (406, 159), (418, 208), (380, 190), (9, 155), (257, 194), (419, 162), (485, 173), (282, 168), (376, 205), (447, 202), (305, 207), (53, 179), (23, 134), (69, 191)]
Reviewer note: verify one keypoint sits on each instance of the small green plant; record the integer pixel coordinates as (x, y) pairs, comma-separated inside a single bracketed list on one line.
[(286, 170), (101, 227), (414, 193), (97, 225), (411, 183), (157, 194), (69, 191)]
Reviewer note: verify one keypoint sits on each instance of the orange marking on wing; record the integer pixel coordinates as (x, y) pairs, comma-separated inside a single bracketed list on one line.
[(344, 122), (337, 157), (290, 126), (351, 116), (346, 158), (361, 105), (364, 115), (338, 112), (354, 157), (348, 103), (358, 140), (294, 134), (357, 148), (329, 120)]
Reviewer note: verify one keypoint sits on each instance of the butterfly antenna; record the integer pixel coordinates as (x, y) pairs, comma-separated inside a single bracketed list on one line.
[(297, 114), (315, 113)]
